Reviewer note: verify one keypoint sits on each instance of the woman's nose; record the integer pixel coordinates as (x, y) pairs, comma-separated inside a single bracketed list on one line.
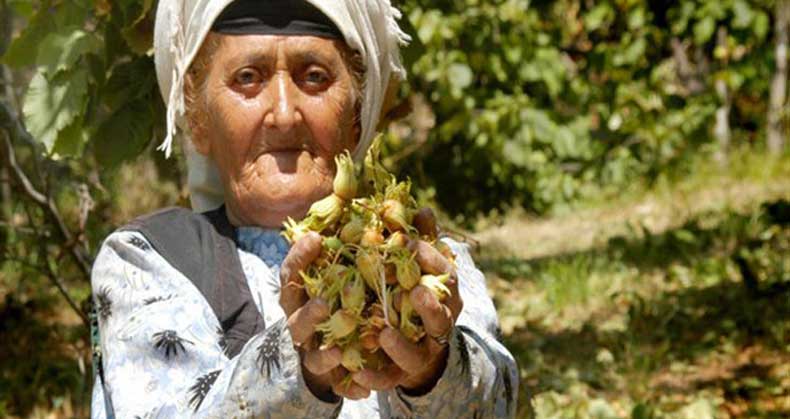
[(284, 114)]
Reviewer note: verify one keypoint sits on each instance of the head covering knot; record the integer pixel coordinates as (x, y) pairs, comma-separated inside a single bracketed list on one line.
[(367, 26)]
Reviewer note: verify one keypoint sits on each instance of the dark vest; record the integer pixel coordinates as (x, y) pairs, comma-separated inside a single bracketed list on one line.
[(203, 248)]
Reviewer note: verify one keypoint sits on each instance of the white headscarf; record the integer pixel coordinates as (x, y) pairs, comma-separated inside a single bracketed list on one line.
[(368, 26)]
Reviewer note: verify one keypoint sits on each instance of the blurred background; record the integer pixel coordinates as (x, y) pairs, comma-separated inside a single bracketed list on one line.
[(620, 167)]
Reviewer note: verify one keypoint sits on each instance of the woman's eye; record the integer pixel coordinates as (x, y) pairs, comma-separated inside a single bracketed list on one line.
[(316, 78), (248, 77)]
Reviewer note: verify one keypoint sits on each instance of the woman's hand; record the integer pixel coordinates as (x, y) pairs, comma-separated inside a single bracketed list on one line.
[(321, 369), (417, 366)]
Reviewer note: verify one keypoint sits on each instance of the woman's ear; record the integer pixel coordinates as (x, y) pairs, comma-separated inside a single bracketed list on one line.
[(199, 140), (193, 116)]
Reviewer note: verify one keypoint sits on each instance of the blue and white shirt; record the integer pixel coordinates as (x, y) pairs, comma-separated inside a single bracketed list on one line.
[(163, 350)]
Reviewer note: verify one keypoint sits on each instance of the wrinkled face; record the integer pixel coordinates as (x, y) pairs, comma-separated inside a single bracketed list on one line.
[(272, 114)]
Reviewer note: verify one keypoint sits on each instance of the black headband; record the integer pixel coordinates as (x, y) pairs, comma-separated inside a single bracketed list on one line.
[(274, 17)]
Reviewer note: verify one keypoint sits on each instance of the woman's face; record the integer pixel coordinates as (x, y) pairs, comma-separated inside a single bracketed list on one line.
[(272, 115)]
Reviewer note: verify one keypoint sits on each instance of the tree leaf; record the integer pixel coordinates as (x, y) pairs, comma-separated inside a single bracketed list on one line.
[(124, 134), (416, 49), (703, 30), (72, 13), (598, 16), (129, 81), (140, 36), (23, 51), (682, 17), (139, 33), (631, 54), (50, 106), (71, 140), (138, 8), (459, 75), (742, 14), (61, 50), (23, 8), (103, 7), (636, 18), (760, 26)]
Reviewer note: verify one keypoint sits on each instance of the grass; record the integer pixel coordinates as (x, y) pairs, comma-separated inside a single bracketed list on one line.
[(678, 311)]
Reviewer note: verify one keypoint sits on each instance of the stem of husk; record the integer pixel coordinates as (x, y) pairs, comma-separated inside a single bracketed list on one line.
[(384, 298)]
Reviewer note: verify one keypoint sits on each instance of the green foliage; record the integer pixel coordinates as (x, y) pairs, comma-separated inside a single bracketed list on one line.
[(655, 325), (94, 82), (541, 103), (53, 105)]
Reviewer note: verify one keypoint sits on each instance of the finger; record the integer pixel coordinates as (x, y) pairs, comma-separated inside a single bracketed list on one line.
[(385, 379), (292, 293), (302, 322), (425, 222), (350, 390), (321, 361), (303, 252), (454, 301), (292, 297), (436, 317), (324, 383), (410, 357), (430, 260), (335, 376)]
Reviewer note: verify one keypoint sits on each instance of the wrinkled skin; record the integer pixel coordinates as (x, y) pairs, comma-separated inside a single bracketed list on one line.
[(277, 110), (273, 113)]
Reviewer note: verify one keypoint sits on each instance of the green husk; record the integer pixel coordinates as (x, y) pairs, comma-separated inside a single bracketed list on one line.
[(353, 295), (435, 283), (324, 213), (340, 324), (365, 263), (408, 270), (412, 331), (371, 266), (352, 359), (345, 182)]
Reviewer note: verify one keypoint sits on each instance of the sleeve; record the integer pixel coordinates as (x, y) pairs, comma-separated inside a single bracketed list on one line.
[(480, 379), (162, 348)]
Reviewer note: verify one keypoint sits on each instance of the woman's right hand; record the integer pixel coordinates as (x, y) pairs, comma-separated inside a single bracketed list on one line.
[(321, 369)]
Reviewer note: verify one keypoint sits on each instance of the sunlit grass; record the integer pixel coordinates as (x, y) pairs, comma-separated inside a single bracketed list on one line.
[(655, 324)]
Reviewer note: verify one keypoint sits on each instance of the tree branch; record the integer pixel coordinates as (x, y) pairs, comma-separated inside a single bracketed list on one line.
[(11, 226), (50, 274), (55, 279), (15, 131)]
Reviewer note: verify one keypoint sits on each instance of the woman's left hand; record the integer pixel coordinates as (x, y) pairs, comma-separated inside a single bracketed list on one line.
[(418, 366), (321, 368)]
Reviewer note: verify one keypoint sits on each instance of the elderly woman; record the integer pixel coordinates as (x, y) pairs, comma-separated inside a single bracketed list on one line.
[(202, 314)]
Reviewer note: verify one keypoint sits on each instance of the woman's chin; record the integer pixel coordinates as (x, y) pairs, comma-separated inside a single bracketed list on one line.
[(282, 184), (263, 210), (290, 162)]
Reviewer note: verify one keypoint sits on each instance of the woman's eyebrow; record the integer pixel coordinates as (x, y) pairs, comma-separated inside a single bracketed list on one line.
[(247, 58), (309, 56)]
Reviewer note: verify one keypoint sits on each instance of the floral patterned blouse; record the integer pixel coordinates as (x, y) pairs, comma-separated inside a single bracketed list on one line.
[(163, 353)]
